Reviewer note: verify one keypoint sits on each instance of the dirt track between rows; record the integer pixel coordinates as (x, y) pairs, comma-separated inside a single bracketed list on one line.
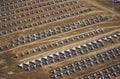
[(102, 7)]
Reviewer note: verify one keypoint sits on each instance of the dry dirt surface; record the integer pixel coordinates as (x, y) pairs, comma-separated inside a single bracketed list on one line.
[(59, 39)]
